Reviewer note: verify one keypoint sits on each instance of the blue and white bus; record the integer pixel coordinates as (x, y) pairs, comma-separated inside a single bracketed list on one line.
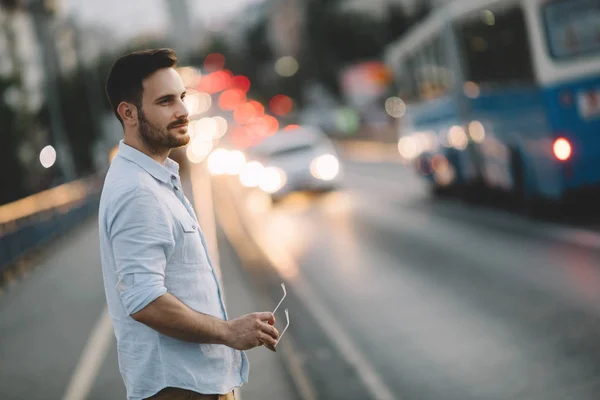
[(504, 93)]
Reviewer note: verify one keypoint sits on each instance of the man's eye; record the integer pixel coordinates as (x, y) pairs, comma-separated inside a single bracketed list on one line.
[(165, 101)]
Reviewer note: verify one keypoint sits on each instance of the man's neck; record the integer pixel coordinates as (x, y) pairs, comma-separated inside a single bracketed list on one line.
[(139, 145)]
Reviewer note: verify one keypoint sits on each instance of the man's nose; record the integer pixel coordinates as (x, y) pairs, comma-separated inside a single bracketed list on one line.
[(182, 110)]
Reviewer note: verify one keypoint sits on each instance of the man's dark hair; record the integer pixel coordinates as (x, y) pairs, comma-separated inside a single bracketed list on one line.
[(125, 79)]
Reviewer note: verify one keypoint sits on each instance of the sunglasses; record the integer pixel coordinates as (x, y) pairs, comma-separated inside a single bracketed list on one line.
[(287, 317)]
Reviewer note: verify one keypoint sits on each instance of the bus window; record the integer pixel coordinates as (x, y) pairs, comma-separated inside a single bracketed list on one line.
[(443, 71), (410, 79), (433, 72), (573, 27), (425, 73), (496, 48)]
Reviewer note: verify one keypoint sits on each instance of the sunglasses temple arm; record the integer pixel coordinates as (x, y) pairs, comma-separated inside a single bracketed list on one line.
[(281, 301), (286, 326)]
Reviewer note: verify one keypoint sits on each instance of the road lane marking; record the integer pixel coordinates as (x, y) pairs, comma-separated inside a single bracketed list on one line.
[(332, 329), (337, 335), (91, 359)]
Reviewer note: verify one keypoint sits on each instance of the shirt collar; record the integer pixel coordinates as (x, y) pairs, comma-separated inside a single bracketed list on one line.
[(158, 171)]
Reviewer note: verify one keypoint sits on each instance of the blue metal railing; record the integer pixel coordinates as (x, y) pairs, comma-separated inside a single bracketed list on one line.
[(44, 217)]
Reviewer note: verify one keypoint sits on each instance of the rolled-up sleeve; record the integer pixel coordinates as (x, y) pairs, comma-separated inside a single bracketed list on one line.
[(141, 238)]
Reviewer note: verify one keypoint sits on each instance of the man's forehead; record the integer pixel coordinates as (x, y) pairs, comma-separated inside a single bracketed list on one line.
[(163, 82)]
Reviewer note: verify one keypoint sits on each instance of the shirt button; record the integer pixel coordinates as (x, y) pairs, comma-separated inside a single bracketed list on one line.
[(173, 177), (176, 188), (194, 227)]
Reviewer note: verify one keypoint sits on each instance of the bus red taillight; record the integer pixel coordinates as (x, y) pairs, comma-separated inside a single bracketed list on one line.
[(562, 149)]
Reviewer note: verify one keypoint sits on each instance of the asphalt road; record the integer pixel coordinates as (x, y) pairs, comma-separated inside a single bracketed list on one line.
[(394, 294), (391, 295)]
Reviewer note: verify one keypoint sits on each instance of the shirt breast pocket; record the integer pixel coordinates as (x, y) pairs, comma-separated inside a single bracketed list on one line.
[(192, 251)]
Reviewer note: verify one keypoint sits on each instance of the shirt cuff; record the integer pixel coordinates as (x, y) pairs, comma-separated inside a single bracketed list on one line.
[(137, 299)]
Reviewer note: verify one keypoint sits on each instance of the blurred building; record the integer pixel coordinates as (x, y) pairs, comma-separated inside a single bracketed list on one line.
[(22, 97), (41, 47)]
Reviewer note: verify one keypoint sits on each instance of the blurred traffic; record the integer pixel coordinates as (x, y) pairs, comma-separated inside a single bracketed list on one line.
[(422, 175)]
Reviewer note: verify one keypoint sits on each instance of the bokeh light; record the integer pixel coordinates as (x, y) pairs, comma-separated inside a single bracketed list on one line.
[(243, 137), (395, 107), (217, 162), (215, 82), (562, 149), (235, 163), (477, 131), (281, 105), (286, 66), (230, 99), (488, 17), (325, 167), (272, 180), (472, 90), (458, 138), (272, 124), (198, 103), (251, 174), (190, 76), (240, 82), (206, 129), (258, 129), (214, 62), (221, 126), (244, 113), (48, 156), (198, 150), (259, 109), (409, 148)]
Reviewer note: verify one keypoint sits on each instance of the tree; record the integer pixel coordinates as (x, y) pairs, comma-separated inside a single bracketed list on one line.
[(335, 39)]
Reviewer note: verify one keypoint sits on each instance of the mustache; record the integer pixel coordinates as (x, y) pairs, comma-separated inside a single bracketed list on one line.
[(179, 122)]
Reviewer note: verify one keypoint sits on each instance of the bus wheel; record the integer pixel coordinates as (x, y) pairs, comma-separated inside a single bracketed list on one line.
[(526, 203), (519, 196)]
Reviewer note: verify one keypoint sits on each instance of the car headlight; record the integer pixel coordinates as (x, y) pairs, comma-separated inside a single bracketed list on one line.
[(251, 174), (235, 163), (272, 179), (217, 161), (325, 167)]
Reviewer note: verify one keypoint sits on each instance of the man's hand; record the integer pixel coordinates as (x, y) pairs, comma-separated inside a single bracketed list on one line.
[(251, 330)]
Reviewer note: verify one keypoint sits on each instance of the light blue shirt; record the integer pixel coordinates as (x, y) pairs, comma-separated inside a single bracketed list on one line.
[(151, 244)]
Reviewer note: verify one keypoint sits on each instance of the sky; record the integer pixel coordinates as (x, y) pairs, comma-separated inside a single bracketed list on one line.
[(128, 18)]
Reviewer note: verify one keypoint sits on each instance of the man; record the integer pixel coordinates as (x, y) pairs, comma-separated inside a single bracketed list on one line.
[(174, 340)]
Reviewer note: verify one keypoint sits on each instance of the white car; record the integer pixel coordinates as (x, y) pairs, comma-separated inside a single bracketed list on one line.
[(292, 160)]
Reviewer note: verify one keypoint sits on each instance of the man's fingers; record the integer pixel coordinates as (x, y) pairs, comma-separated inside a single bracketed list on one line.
[(270, 330), (267, 340), (267, 317)]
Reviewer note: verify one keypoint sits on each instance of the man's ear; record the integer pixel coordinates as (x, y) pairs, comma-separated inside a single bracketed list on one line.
[(128, 113)]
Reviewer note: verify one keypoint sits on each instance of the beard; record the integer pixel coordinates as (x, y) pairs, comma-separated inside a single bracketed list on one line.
[(160, 140)]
